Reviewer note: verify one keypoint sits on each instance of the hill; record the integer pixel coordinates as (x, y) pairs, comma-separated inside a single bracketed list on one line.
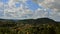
[(29, 26), (27, 21)]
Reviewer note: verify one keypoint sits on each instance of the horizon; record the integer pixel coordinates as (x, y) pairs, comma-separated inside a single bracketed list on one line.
[(29, 19)]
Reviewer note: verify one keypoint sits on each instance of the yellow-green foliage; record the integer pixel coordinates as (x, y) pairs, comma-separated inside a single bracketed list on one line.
[(31, 29), (39, 26)]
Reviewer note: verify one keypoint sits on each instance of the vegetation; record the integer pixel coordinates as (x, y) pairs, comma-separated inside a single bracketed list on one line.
[(29, 26)]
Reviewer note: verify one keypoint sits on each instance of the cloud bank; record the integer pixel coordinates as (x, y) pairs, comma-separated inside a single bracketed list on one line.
[(30, 9)]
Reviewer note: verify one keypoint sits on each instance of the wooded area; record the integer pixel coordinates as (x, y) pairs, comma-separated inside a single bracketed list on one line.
[(29, 26)]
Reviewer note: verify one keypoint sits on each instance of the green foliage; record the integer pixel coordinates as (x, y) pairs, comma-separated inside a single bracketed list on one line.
[(38, 26)]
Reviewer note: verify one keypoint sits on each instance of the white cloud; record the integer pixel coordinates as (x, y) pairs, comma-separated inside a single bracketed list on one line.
[(25, 13)]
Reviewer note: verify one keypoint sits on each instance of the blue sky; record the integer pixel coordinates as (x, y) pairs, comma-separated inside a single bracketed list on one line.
[(34, 6), (31, 5), (4, 1), (17, 4), (2, 7), (1, 11)]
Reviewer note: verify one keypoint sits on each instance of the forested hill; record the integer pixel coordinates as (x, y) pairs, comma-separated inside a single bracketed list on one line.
[(27, 21), (29, 26), (39, 20)]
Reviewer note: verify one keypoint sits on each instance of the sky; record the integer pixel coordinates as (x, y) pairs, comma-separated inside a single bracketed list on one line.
[(30, 9)]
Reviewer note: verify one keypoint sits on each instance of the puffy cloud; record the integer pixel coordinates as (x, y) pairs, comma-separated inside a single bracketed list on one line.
[(47, 8), (37, 1), (55, 8)]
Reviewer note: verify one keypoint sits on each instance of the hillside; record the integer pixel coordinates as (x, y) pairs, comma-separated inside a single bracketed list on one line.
[(29, 26)]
